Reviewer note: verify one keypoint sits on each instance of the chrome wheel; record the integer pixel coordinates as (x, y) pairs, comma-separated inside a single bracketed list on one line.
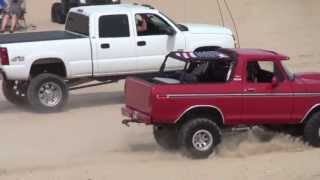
[(202, 140), (50, 94)]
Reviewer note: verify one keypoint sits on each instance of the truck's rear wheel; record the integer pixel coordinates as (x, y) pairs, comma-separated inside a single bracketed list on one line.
[(12, 92), (312, 130), (47, 93), (199, 137), (166, 137)]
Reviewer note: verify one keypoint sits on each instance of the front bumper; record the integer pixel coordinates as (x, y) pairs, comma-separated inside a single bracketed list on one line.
[(134, 116)]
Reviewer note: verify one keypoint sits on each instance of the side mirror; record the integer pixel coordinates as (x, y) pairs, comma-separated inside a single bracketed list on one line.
[(169, 31), (274, 82)]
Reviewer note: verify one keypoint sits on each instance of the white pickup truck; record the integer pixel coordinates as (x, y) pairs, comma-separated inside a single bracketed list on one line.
[(103, 43)]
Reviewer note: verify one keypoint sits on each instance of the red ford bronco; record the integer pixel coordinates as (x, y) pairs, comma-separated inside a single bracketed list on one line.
[(226, 88)]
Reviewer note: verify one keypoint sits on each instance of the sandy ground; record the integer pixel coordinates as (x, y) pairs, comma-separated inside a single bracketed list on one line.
[(86, 141)]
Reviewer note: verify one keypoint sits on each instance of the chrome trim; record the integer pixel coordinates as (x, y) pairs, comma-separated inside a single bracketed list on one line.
[(306, 94), (199, 95), (244, 94), (201, 106), (308, 112)]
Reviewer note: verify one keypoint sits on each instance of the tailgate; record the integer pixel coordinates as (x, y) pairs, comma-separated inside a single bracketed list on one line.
[(137, 94)]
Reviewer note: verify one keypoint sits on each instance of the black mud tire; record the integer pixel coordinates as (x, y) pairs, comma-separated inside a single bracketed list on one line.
[(166, 137), (11, 95), (60, 16), (312, 130), (54, 8), (34, 88), (193, 127)]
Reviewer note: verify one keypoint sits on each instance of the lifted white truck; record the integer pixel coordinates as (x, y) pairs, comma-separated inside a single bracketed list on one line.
[(102, 43)]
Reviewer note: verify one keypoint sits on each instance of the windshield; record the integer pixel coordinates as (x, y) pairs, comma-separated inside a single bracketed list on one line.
[(78, 23), (179, 26), (289, 73)]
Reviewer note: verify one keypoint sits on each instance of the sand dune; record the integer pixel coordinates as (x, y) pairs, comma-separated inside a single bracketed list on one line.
[(87, 141)]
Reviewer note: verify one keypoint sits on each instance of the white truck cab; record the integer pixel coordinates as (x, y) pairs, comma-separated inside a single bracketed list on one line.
[(121, 48), (99, 43)]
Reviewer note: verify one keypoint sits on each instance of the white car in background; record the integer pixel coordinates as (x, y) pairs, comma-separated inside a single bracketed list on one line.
[(99, 43)]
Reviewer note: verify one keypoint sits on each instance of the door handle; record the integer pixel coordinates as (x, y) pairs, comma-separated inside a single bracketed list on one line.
[(141, 43), (105, 46), (250, 90)]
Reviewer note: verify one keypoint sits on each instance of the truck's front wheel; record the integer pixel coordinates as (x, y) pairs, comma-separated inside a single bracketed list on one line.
[(166, 137), (47, 93), (199, 137), (12, 92), (312, 130)]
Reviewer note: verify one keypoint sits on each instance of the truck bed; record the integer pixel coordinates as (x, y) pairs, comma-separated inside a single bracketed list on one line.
[(37, 36)]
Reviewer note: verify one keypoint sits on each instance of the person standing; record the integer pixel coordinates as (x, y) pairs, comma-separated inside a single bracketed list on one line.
[(14, 11)]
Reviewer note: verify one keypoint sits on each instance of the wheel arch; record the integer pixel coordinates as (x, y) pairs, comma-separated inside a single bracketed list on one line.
[(51, 65), (315, 108), (208, 111)]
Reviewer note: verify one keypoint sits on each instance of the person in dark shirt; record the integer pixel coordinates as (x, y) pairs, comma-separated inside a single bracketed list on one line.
[(2, 4)]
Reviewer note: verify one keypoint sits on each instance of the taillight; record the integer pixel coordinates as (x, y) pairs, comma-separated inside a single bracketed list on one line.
[(4, 56)]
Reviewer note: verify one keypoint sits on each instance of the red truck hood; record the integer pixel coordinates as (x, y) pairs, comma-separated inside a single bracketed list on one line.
[(308, 78)]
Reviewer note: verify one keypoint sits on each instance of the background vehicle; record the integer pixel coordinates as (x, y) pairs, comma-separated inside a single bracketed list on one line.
[(224, 89), (100, 43), (59, 10)]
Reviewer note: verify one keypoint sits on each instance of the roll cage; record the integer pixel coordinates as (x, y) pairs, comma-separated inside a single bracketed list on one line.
[(204, 66)]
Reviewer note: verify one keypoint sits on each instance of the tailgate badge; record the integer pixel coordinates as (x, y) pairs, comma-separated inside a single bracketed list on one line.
[(18, 59)]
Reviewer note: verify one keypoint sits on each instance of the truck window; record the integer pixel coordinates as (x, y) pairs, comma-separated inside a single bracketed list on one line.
[(262, 72), (78, 23), (111, 26), (150, 24), (208, 72)]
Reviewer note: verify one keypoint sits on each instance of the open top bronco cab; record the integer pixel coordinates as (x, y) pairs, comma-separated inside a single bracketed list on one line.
[(221, 89)]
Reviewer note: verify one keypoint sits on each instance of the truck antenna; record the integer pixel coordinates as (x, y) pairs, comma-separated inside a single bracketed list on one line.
[(220, 13), (233, 21), (185, 10)]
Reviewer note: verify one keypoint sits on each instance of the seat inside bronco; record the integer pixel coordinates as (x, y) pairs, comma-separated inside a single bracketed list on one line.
[(207, 72)]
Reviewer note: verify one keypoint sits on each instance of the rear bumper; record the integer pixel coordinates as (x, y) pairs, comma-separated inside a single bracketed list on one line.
[(134, 116), (15, 72)]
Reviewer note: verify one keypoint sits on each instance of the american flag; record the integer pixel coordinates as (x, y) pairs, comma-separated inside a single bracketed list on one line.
[(204, 55)]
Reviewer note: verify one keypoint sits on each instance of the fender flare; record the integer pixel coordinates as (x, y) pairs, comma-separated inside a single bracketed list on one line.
[(47, 55), (212, 107), (309, 112)]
